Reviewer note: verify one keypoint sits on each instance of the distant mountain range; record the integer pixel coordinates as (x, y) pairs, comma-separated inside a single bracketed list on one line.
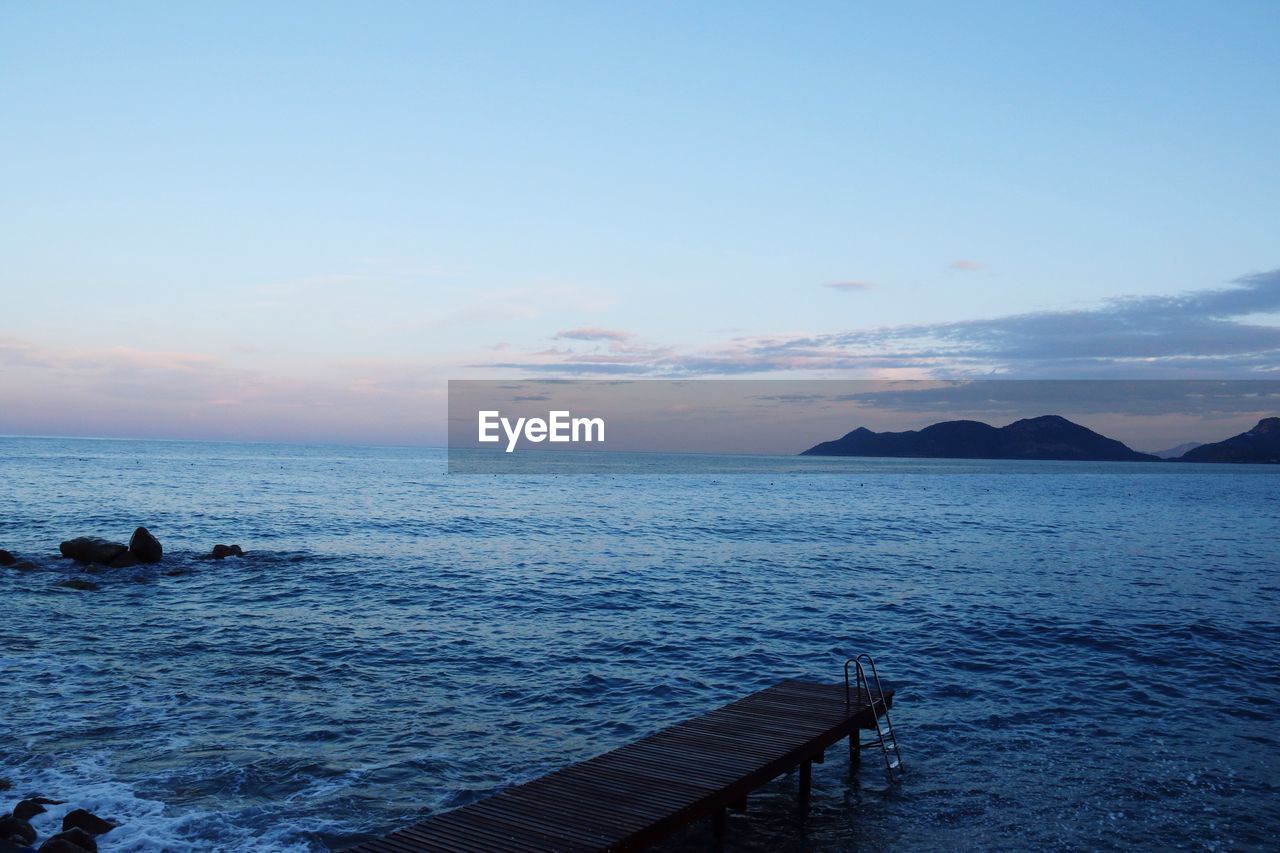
[(1175, 452), (1045, 437)]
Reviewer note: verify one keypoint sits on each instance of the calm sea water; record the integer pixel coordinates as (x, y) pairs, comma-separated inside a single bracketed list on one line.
[(1087, 656)]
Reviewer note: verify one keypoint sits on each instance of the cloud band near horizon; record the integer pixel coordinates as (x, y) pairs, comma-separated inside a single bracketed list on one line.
[(1208, 333)]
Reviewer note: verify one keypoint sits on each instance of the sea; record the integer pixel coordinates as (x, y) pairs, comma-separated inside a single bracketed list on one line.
[(1086, 655)]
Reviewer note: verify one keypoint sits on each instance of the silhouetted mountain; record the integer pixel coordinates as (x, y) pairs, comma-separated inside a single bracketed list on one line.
[(1175, 452), (1046, 437), (1260, 444)]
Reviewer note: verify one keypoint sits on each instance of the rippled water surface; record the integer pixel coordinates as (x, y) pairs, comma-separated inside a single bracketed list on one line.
[(1087, 656)]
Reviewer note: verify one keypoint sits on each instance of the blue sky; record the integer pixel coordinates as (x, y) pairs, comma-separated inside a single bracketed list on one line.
[(297, 220)]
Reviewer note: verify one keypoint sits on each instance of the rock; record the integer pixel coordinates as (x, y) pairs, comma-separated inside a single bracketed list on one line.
[(125, 560), (79, 583), (7, 559), (16, 829), (26, 566), (221, 551), (27, 809), (74, 840), (85, 549), (88, 821), (145, 547), (5, 784)]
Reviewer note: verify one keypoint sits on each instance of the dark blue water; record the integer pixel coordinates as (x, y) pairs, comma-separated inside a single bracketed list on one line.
[(1087, 656)]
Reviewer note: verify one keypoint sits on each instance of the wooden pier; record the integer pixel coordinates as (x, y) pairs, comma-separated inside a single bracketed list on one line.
[(644, 791)]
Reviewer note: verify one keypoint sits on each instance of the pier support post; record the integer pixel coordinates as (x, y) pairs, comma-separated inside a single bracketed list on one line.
[(806, 777), (719, 823), (855, 747)]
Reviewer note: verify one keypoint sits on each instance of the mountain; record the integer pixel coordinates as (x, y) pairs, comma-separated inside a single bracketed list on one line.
[(1046, 437), (1260, 444), (1175, 452)]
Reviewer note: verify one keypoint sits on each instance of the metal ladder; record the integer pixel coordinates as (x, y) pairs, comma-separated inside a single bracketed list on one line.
[(885, 737)]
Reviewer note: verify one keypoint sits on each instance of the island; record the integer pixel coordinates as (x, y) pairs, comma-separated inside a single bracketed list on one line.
[(1260, 444), (1045, 437)]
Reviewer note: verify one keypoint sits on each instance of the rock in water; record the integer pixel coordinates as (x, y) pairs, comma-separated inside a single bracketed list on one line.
[(220, 551), (27, 809), (72, 841), (125, 561), (16, 829), (85, 549), (88, 821), (145, 547), (79, 583), (7, 559)]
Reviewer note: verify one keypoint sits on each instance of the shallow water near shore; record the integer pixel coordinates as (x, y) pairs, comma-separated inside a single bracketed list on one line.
[(1086, 655)]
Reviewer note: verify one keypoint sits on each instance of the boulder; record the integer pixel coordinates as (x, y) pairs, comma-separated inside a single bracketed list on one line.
[(145, 547), (85, 549), (221, 551), (88, 821), (125, 560), (74, 840), (26, 566), (16, 829), (79, 583), (7, 559), (28, 809)]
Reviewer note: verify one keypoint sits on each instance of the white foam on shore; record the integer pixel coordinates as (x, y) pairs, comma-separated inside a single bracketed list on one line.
[(144, 824)]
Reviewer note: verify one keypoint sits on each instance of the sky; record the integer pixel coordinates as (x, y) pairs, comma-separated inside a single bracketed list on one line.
[(297, 221)]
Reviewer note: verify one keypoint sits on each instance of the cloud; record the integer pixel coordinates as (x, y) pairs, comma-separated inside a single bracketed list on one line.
[(1208, 333), (126, 391), (593, 333), (1139, 397), (965, 265), (849, 286)]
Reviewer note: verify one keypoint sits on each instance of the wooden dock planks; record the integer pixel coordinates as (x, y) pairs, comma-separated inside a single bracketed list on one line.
[(643, 791)]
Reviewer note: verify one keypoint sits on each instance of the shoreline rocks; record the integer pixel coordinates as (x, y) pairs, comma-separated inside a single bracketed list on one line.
[(87, 821), (70, 841), (16, 830), (8, 559), (145, 547), (94, 555), (28, 809), (78, 833), (87, 549)]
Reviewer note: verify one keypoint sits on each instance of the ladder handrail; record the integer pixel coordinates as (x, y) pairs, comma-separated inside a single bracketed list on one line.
[(863, 687)]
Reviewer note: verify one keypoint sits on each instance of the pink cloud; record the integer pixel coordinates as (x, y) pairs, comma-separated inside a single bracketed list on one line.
[(131, 392), (849, 286), (965, 265)]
